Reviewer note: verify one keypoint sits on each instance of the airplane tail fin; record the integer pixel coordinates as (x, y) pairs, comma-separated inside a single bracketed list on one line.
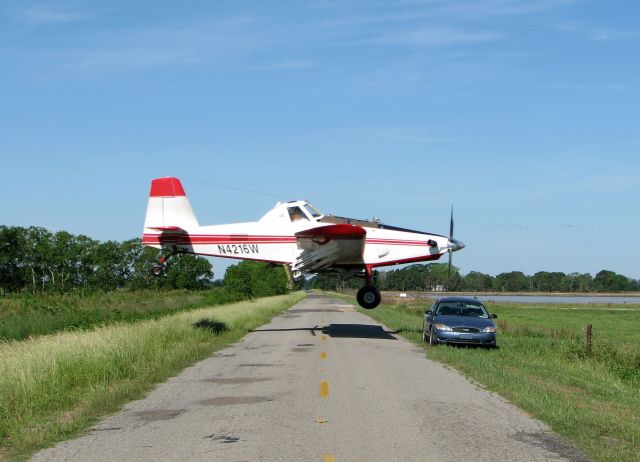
[(168, 208)]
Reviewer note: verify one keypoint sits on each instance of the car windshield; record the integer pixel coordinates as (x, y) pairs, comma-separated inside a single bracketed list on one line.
[(475, 310)]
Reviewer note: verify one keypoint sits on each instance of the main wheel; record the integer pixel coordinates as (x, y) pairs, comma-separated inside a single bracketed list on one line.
[(368, 297), (157, 270)]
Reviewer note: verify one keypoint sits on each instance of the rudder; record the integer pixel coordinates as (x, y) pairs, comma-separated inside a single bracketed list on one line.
[(168, 207)]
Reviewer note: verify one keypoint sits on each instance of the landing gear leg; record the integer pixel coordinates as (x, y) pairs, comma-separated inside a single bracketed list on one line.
[(369, 296), (158, 268)]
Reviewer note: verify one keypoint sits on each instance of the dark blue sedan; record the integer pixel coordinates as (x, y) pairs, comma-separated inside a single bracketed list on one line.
[(459, 320)]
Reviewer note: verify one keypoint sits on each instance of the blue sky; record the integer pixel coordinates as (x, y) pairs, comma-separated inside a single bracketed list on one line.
[(523, 114)]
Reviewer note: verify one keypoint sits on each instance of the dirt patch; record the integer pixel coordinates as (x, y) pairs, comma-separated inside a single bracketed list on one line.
[(552, 443), (258, 365), (159, 414), (233, 400), (236, 380), (224, 439), (315, 310)]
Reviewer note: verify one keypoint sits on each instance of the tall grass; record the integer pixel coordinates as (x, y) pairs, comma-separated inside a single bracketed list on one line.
[(28, 315), (543, 366), (53, 386)]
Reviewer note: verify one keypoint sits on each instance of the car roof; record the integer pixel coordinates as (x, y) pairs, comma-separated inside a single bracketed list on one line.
[(459, 299)]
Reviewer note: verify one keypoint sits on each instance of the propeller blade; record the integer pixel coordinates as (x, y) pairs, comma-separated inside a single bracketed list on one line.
[(451, 225), (449, 250)]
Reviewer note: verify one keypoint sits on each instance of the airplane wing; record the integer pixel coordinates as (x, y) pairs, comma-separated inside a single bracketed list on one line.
[(324, 246)]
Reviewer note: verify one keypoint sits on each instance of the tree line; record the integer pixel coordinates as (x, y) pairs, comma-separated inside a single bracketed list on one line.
[(435, 277), (35, 260)]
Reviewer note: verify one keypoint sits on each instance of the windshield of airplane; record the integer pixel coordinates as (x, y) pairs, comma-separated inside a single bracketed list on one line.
[(475, 310), (312, 211), (296, 214)]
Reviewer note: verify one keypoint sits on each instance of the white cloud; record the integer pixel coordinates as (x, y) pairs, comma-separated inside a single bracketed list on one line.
[(597, 34), (52, 14), (437, 36)]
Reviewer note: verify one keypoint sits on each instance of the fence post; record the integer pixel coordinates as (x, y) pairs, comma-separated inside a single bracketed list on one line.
[(589, 338)]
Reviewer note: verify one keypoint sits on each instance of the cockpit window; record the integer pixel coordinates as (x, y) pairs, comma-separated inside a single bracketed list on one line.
[(296, 214), (312, 211)]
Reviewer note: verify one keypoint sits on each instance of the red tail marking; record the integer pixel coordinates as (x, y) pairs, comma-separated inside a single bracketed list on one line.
[(166, 187)]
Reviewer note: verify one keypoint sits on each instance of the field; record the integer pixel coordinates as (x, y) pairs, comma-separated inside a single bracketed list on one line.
[(543, 366), (53, 386)]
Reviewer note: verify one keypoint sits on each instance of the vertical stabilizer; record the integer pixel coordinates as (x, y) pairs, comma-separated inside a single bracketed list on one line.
[(168, 207)]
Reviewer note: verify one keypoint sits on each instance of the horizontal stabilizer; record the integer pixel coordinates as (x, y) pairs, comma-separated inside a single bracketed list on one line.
[(172, 229)]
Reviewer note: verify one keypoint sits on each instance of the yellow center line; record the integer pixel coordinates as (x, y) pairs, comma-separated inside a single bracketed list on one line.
[(323, 355), (324, 389), (328, 458), (324, 337)]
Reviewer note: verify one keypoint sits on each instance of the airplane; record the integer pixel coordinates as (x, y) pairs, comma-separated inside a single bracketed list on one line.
[(293, 234)]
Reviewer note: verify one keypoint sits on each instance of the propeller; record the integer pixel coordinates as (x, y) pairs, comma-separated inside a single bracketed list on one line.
[(449, 249), (453, 245)]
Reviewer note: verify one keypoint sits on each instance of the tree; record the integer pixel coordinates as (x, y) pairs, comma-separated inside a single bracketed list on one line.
[(12, 250), (256, 279), (186, 271), (477, 282), (515, 281), (580, 282), (608, 281)]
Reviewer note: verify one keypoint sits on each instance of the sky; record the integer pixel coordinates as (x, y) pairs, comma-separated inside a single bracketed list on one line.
[(523, 115)]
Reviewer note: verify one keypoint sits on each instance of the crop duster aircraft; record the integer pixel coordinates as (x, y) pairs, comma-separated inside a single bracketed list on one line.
[(293, 234)]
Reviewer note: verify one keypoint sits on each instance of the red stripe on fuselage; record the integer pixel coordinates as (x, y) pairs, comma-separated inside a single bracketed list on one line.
[(408, 260), (253, 239)]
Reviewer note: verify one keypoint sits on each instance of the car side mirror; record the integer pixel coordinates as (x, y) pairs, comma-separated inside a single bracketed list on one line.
[(493, 316)]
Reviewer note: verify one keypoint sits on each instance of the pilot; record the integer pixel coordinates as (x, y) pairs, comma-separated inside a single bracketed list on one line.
[(296, 214)]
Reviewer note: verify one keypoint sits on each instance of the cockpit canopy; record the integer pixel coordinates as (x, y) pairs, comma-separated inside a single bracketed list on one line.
[(293, 211), (303, 211)]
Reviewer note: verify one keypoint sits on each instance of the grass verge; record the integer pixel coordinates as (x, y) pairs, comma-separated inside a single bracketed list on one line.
[(53, 386), (27, 315), (543, 366)]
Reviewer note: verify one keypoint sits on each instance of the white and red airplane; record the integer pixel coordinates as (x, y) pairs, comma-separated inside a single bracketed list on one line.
[(293, 234)]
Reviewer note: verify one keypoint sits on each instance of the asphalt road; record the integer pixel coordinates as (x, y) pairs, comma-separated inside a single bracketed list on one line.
[(321, 382)]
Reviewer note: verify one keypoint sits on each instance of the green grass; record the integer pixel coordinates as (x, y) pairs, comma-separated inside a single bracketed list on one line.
[(542, 365), (24, 316), (51, 387)]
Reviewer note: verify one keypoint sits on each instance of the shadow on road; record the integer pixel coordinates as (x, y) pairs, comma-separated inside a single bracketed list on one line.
[(342, 331)]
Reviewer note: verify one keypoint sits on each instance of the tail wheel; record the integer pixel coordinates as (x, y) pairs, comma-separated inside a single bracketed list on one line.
[(368, 297)]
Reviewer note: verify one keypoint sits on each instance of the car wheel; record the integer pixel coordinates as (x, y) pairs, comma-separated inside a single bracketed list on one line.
[(432, 341)]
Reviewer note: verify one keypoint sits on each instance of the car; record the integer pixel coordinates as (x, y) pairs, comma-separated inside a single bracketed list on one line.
[(460, 321)]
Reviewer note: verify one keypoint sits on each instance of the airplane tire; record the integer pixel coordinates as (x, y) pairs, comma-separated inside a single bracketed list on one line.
[(368, 297), (157, 270)]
